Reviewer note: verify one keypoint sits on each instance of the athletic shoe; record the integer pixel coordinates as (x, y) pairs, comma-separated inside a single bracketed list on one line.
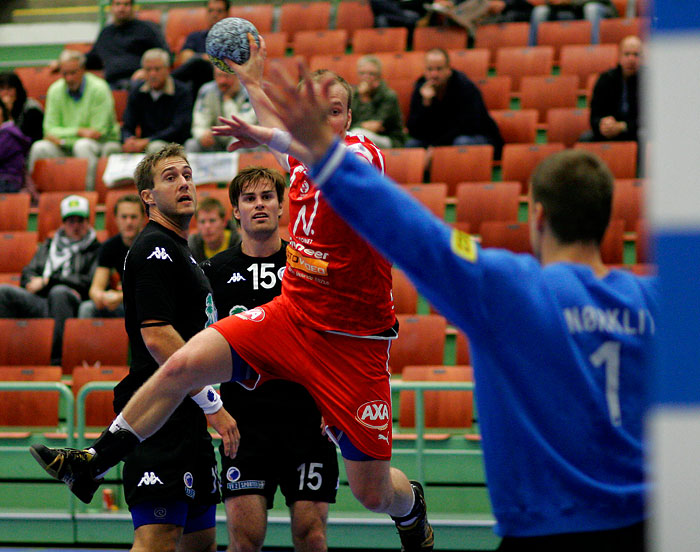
[(418, 536), (70, 466)]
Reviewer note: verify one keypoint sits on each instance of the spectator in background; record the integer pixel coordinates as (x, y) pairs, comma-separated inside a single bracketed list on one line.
[(222, 97), (106, 288), (470, 13), (161, 108), (615, 99), (193, 61), (13, 153), (80, 119), (58, 276), (447, 108), (376, 113), (556, 10), (27, 113), (120, 45), (214, 234)]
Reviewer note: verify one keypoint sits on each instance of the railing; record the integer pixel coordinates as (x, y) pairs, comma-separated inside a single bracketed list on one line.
[(78, 406), (420, 387)]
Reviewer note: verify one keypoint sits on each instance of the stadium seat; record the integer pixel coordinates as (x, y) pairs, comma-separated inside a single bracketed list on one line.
[(447, 38), (404, 293), (404, 91), (432, 196), (258, 159), (289, 63), (501, 35), (563, 33), (14, 212), (621, 157), (153, 15), (276, 44), (401, 65), (120, 99), (405, 165), (98, 404), (421, 341), (58, 174), (517, 127), (305, 16), (442, 409), (50, 211), (495, 91), (351, 15), (260, 15), (587, 60), (344, 65), (514, 236), (590, 85), (523, 62), (519, 160), (36, 81), (308, 43), (110, 203), (385, 39), (455, 164), (26, 341), (182, 21), (612, 247), (10, 278), (108, 343), (642, 245), (628, 202), (29, 408), (543, 93), (462, 349), (474, 62), (612, 31), (480, 202), (82, 47), (17, 248), (566, 124)]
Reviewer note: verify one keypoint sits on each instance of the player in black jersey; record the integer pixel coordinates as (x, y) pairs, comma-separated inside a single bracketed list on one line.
[(170, 480), (277, 449)]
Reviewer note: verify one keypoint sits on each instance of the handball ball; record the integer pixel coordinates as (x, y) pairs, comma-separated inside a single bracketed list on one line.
[(229, 39)]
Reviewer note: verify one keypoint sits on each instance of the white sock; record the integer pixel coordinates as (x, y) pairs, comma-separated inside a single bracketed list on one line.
[(120, 423), (405, 522)]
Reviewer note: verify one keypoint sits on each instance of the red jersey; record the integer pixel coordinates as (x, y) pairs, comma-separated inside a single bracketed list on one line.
[(334, 280)]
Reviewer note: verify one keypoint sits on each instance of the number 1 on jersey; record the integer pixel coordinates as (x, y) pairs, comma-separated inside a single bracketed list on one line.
[(608, 356)]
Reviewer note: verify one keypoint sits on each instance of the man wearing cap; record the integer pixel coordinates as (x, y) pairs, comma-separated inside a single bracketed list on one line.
[(58, 277)]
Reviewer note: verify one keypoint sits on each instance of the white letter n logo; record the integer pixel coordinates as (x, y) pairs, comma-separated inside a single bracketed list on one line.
[(301, 217)]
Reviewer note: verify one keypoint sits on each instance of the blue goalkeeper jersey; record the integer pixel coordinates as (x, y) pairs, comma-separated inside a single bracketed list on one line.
[(560, 358)]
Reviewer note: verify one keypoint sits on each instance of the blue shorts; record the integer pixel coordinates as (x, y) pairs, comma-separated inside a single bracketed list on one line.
[(193, 517)]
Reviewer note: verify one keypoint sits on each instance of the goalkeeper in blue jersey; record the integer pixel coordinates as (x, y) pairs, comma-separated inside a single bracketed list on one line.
[(560, 343)]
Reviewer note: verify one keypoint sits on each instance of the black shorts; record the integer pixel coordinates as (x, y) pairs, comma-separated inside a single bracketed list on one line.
[(178, 462), (304, 470)]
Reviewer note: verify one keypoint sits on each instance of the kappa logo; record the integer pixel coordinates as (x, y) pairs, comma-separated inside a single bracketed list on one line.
[(160, 253), (253, 315), (374, 414), (150, 478), (235, 278)]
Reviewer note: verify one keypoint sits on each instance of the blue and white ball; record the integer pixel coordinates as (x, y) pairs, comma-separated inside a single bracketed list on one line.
[(229, 39)]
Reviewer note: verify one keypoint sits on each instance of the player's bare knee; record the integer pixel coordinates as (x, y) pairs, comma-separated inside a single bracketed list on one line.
[(310, 538), (244, 544), (178, 369), (372, 498)]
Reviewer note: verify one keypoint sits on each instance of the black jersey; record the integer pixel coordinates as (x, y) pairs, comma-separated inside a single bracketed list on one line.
[(162, 282), (239, 283)]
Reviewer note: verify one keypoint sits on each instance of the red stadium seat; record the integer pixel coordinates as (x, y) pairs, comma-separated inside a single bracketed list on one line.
[(562, 33), (181, 22), (98, 404), (501, 35), (330, 42), (405, 165), (432, 196), (447, 38), (514, 236), (523, 62), (421, 341), (57, 174), (260, 15), (518, 126), (385, 39), (620, 157), (305, 16), (567, 124), (108, 343), (628, 202), (17, 248), (474, 62), (583, 61), (25, 342), (478, 203), (455, 164), (354, 15), (519, 160), (495, 91), (29, 408), (14, 212), (404, 293)]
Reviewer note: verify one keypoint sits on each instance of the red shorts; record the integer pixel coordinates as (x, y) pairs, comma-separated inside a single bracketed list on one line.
[(348, 377)]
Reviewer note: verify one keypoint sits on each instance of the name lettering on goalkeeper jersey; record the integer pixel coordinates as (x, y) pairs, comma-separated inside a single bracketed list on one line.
[(590, 319)]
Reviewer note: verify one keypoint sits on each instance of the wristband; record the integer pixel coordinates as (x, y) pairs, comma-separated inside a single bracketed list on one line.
[(280, 141), (208, 400)]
